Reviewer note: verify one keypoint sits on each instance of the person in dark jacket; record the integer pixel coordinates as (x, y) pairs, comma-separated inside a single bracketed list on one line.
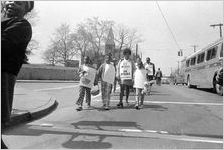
[(16, 33), (159, 76)]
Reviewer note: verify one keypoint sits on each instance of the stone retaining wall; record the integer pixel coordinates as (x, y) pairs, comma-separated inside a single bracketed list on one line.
[(44, 72)]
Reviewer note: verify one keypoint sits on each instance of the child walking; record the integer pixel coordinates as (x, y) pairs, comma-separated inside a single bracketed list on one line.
[(106, 73), (87, 76), (139, 81), (125, 72)]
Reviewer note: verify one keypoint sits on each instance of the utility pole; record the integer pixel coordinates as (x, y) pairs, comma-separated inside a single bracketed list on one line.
[(136, 51), (220, 28), (194, 47)]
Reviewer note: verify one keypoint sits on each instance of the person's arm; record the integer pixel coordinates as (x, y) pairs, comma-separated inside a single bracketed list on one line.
[(154, 70), (133, 68), (18, 33), (118, 70), (100, 71)]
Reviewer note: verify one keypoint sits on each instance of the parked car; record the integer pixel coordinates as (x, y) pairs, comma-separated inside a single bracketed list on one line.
[(179, 79), (165, 81)]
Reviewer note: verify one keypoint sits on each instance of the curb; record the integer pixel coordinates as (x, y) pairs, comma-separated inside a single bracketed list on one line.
[(20, 118), (45, 81)]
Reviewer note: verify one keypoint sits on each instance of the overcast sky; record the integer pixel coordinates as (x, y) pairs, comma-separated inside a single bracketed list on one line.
[(189, 21)]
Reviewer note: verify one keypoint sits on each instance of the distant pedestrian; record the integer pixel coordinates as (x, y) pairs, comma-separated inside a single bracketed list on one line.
[(106, 73), (150, 67), (139, 81), (159, 76), (125, 72), (16, 33), (87, 77)]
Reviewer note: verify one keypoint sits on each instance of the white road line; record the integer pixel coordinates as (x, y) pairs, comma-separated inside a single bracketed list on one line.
[(130, 130), (128, 133), (57, 88), (164, 102)]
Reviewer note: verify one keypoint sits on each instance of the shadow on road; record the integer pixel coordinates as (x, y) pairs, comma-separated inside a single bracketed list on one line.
[(206, 90), (77, 140)]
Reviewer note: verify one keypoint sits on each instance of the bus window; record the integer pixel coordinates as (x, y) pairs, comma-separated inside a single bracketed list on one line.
[(211, 53), (221, 52), (188, 63), (193, 61), (201, 57), (214, 51)]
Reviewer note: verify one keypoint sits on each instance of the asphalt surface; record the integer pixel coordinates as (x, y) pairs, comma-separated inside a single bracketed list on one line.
[(172, 117)]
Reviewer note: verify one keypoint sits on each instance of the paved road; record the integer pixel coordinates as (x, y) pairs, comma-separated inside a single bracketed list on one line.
[(173, 117)]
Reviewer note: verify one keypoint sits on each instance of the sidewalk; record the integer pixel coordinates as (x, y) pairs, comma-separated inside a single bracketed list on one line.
[(29, 105)]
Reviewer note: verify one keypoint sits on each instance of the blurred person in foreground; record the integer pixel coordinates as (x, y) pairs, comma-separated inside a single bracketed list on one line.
[(16, 33)]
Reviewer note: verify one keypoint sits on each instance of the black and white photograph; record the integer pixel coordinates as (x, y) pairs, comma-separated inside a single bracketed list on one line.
[(110, 74)]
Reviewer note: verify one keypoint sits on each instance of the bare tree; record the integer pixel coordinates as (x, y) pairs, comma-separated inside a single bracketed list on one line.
[(50, 55), (80, 41), (63, 42), (33, 18), (97, 32), (126, 37)]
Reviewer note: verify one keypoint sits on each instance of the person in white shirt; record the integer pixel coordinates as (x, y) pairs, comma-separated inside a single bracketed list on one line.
[(106, 73), (139, 81), (87, 77), (150, 67)]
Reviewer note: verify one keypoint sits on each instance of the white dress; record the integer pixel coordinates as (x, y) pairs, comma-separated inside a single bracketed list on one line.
[(140, 78)]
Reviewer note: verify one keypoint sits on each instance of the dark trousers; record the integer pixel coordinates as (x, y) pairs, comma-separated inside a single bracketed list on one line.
[(122, 88), (8, 81), (7, 89), (82, 92)]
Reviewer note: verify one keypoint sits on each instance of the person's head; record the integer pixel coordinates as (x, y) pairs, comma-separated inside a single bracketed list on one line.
[(148, 60), (16, 8), (127, 53), (139, 63), (86, 60), (108, 58)]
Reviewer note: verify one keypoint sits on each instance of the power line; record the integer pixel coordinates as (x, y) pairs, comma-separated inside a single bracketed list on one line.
[(168, 25)]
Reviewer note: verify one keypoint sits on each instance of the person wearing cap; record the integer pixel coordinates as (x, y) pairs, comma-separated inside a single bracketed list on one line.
[(16, 33), (150, 67), (125, 71)]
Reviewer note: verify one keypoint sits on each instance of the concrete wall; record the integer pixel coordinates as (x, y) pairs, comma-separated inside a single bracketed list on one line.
[(43, 72)]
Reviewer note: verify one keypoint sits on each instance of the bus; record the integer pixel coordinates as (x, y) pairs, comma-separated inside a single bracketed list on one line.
[(204, 67)]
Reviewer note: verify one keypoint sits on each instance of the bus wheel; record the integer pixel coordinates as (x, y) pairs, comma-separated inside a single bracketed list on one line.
[(188, 82), (217, 88)]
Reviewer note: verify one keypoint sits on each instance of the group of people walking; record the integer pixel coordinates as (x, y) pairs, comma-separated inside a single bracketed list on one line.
[(127, 73)]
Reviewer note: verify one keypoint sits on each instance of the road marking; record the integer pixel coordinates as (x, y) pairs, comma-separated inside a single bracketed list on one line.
[(130, 130), (164, 102), (127, 133), (57, 88)]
